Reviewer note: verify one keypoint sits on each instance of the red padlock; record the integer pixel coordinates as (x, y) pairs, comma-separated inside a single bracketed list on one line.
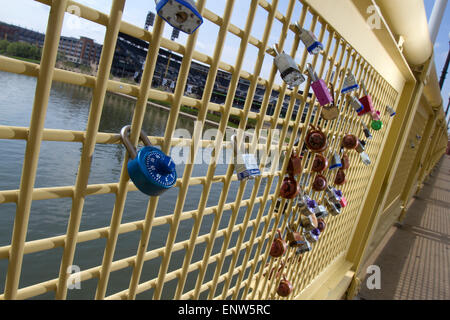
[(290, 188), (350, 141), (316, 140), (295, 165), (320, 163), (320, 183), (294, 238), (340, 177), (279, 246), (284, 288)]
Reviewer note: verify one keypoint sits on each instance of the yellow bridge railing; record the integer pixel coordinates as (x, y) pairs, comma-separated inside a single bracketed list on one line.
[(234, 260)]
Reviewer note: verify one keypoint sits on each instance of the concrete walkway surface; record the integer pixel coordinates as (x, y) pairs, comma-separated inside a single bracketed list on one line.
[(415, 260)]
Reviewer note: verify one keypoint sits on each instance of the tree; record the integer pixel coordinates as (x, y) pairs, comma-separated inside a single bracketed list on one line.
[(3, 46)]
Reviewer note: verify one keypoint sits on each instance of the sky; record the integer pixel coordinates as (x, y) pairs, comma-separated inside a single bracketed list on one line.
[(33, 15)]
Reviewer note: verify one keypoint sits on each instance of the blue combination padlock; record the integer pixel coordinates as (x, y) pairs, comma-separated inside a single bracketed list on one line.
[(149, 168), (180, 14)]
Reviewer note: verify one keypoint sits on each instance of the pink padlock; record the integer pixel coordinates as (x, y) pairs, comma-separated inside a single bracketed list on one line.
[(366, 101), (343, 202), (319, 87)]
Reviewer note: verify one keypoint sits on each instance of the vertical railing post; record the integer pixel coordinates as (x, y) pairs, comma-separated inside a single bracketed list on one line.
[(43, 87)]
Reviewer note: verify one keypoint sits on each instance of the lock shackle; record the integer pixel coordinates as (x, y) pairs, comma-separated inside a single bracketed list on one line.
[(125, 135), (276, 49), (312, 73), (364, 87), (236, 149)]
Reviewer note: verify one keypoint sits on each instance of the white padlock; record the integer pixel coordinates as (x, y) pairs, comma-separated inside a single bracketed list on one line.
[(350, 83), (180, 14), (289, 71), (245, 164), (310, 41)]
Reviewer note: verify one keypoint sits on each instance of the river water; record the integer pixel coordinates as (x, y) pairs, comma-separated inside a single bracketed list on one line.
[(68, 109)]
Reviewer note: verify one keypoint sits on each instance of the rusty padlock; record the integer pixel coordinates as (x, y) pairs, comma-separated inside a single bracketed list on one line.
[(350, 141), (320, 163), (279, 246), (294, 238), (345, 162), (340, 178), (320, 183), (321, 225), (284, 288), (308, 222), (290, 188), (295, 165), (316, 140)]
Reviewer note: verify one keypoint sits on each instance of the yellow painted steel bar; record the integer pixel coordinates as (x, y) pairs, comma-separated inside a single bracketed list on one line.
[(106, 58), (136, 126), (216, 151), (171, 122), (242, 126), (42, 94)]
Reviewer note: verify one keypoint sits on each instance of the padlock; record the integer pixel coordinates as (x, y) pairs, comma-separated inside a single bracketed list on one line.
[(284, 288), (306, 206), (340, 178), (312, 236), (295, 165), (390, 111), (366, 131), (316, 140), (336, 162), (277, 206), (312, 44), (361, 146), (365, 158), (294, 238), (289, 71), (321, 225), (376, 124), (246, 164), (308, 222), (366, 101), (290, 188), (333, 207), (152, 171), (321, 212), (279, 246), (333, 194), (304, 247), (345, 162), (330, 111), (356, 104), (320, 183), (350, 84), (320, 163), (350, 141), (180, 14), (319, 87), (343, 202)]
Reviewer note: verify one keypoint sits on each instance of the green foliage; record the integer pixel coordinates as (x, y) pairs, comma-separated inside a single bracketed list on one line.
[(20, 49)]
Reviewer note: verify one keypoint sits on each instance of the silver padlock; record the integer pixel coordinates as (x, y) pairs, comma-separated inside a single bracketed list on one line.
[(365, 158), (180, 14), (350, 84), (308, 206), (390, 111), (289, 71), (366, 131), (361, 147), (321, 212), (312, 44), (312, 236), (335, 162), (245, 164), (333, 207), (305, 246), (308, 222), (356, 104)]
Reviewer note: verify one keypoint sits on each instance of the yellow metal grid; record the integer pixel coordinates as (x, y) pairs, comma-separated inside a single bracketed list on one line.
[(240, 268)]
